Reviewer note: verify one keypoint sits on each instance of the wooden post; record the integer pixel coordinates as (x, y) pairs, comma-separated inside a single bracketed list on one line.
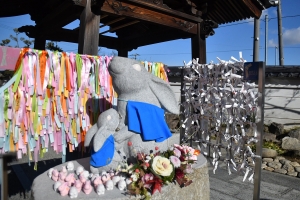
[(122, 52), (39, 43), (199, 46), (89, 31)]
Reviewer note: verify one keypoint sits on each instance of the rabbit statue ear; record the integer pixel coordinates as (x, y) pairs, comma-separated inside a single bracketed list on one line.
[(164, 94), (90, 134), (99, 139)]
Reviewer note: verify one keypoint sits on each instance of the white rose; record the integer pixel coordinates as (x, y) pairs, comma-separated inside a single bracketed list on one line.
[(162, 166)]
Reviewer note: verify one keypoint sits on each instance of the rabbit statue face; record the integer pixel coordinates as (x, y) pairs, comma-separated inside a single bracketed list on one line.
[(110, 119), (120, 67)]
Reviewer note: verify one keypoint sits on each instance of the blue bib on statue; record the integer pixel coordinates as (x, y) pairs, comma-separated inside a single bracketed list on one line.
[(104, 155), (147, 120)]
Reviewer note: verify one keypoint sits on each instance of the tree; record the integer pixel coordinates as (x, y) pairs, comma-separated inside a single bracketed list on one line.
[(53, 47), (27, 42), (15, 38), (5, 42)]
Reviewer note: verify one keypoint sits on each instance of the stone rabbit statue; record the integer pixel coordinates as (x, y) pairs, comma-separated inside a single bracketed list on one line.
[(103, 141), (142, 100)]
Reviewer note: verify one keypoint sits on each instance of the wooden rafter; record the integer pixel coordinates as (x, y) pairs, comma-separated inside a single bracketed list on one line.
[(141, 13), (113, 21), (49, 18), (119, 27)]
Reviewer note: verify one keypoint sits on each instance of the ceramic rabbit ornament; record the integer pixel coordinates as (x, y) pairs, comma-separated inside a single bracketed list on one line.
[(142, 100)]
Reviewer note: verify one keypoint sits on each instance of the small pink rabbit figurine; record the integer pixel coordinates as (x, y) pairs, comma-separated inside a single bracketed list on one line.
[(70, 179), (55, 175), (78, 185), (64, 170), (87, 188), (82, 178), (97, 181), (64, 189), (105, 178), (61, 176)]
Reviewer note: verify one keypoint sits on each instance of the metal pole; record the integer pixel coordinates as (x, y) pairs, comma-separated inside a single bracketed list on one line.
[(260, 128), (4, 159), (182, 100), (275, 55), (281, 57), (266, 38), (256, 40)]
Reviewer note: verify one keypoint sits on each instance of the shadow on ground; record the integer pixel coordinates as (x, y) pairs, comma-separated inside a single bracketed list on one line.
[(24, 176)]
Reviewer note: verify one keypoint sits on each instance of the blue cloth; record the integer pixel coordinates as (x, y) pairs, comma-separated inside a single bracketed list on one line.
[(104, 155), (148, 120)]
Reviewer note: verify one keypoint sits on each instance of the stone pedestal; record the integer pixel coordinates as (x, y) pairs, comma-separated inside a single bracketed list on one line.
[(42, 187)]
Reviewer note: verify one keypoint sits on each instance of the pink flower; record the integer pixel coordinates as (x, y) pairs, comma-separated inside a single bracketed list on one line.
[(146, 178), (193, 157), (177, 146), (175, 161), (188, 169), (177, 152)]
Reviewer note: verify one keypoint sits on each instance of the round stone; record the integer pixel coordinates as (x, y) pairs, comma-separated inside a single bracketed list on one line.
[(297, 169), (275, 165), (269, 169), (292, 173), (280, 171), (268, 153), (295, 164)]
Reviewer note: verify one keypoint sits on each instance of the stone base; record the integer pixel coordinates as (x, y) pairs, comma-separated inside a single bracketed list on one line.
[(42, 187)]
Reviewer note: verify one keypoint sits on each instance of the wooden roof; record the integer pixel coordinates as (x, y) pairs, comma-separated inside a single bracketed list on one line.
[(135, 22)]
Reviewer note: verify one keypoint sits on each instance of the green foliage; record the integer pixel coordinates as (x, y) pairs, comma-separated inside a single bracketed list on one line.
[(270, 145), (5, 42), (27, 42), (15, 37), (53, 47), (274, 146)]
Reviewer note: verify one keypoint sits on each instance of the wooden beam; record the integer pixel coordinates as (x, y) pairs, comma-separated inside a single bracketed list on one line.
[(89, 31), (199, 46), (122, 52), (112, 22), (154, 37), (140, 13), (39, 43), (101, 17), (58, 10), (68, 35), (157, 5), (162, 8), (257, 12), (119, 27)]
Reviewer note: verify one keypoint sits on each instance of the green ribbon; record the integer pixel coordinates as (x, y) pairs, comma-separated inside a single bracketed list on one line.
[(97, 76), (19, 73), (6, 102), (45, 102), (78, 67)]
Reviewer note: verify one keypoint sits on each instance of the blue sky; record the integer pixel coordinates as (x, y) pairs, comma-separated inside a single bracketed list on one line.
[(228, 40)]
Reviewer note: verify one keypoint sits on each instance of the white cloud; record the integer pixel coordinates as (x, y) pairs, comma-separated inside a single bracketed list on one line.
[(272, 43), (291, 36), (275, 12)]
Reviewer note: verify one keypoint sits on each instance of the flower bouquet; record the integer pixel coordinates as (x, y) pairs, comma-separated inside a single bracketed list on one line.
[(152, 171)]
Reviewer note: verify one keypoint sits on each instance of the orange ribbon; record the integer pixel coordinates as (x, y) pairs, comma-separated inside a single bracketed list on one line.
[(42, 62), (20, 59)]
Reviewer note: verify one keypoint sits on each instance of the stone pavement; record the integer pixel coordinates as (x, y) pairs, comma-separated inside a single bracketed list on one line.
[(273, 186)]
